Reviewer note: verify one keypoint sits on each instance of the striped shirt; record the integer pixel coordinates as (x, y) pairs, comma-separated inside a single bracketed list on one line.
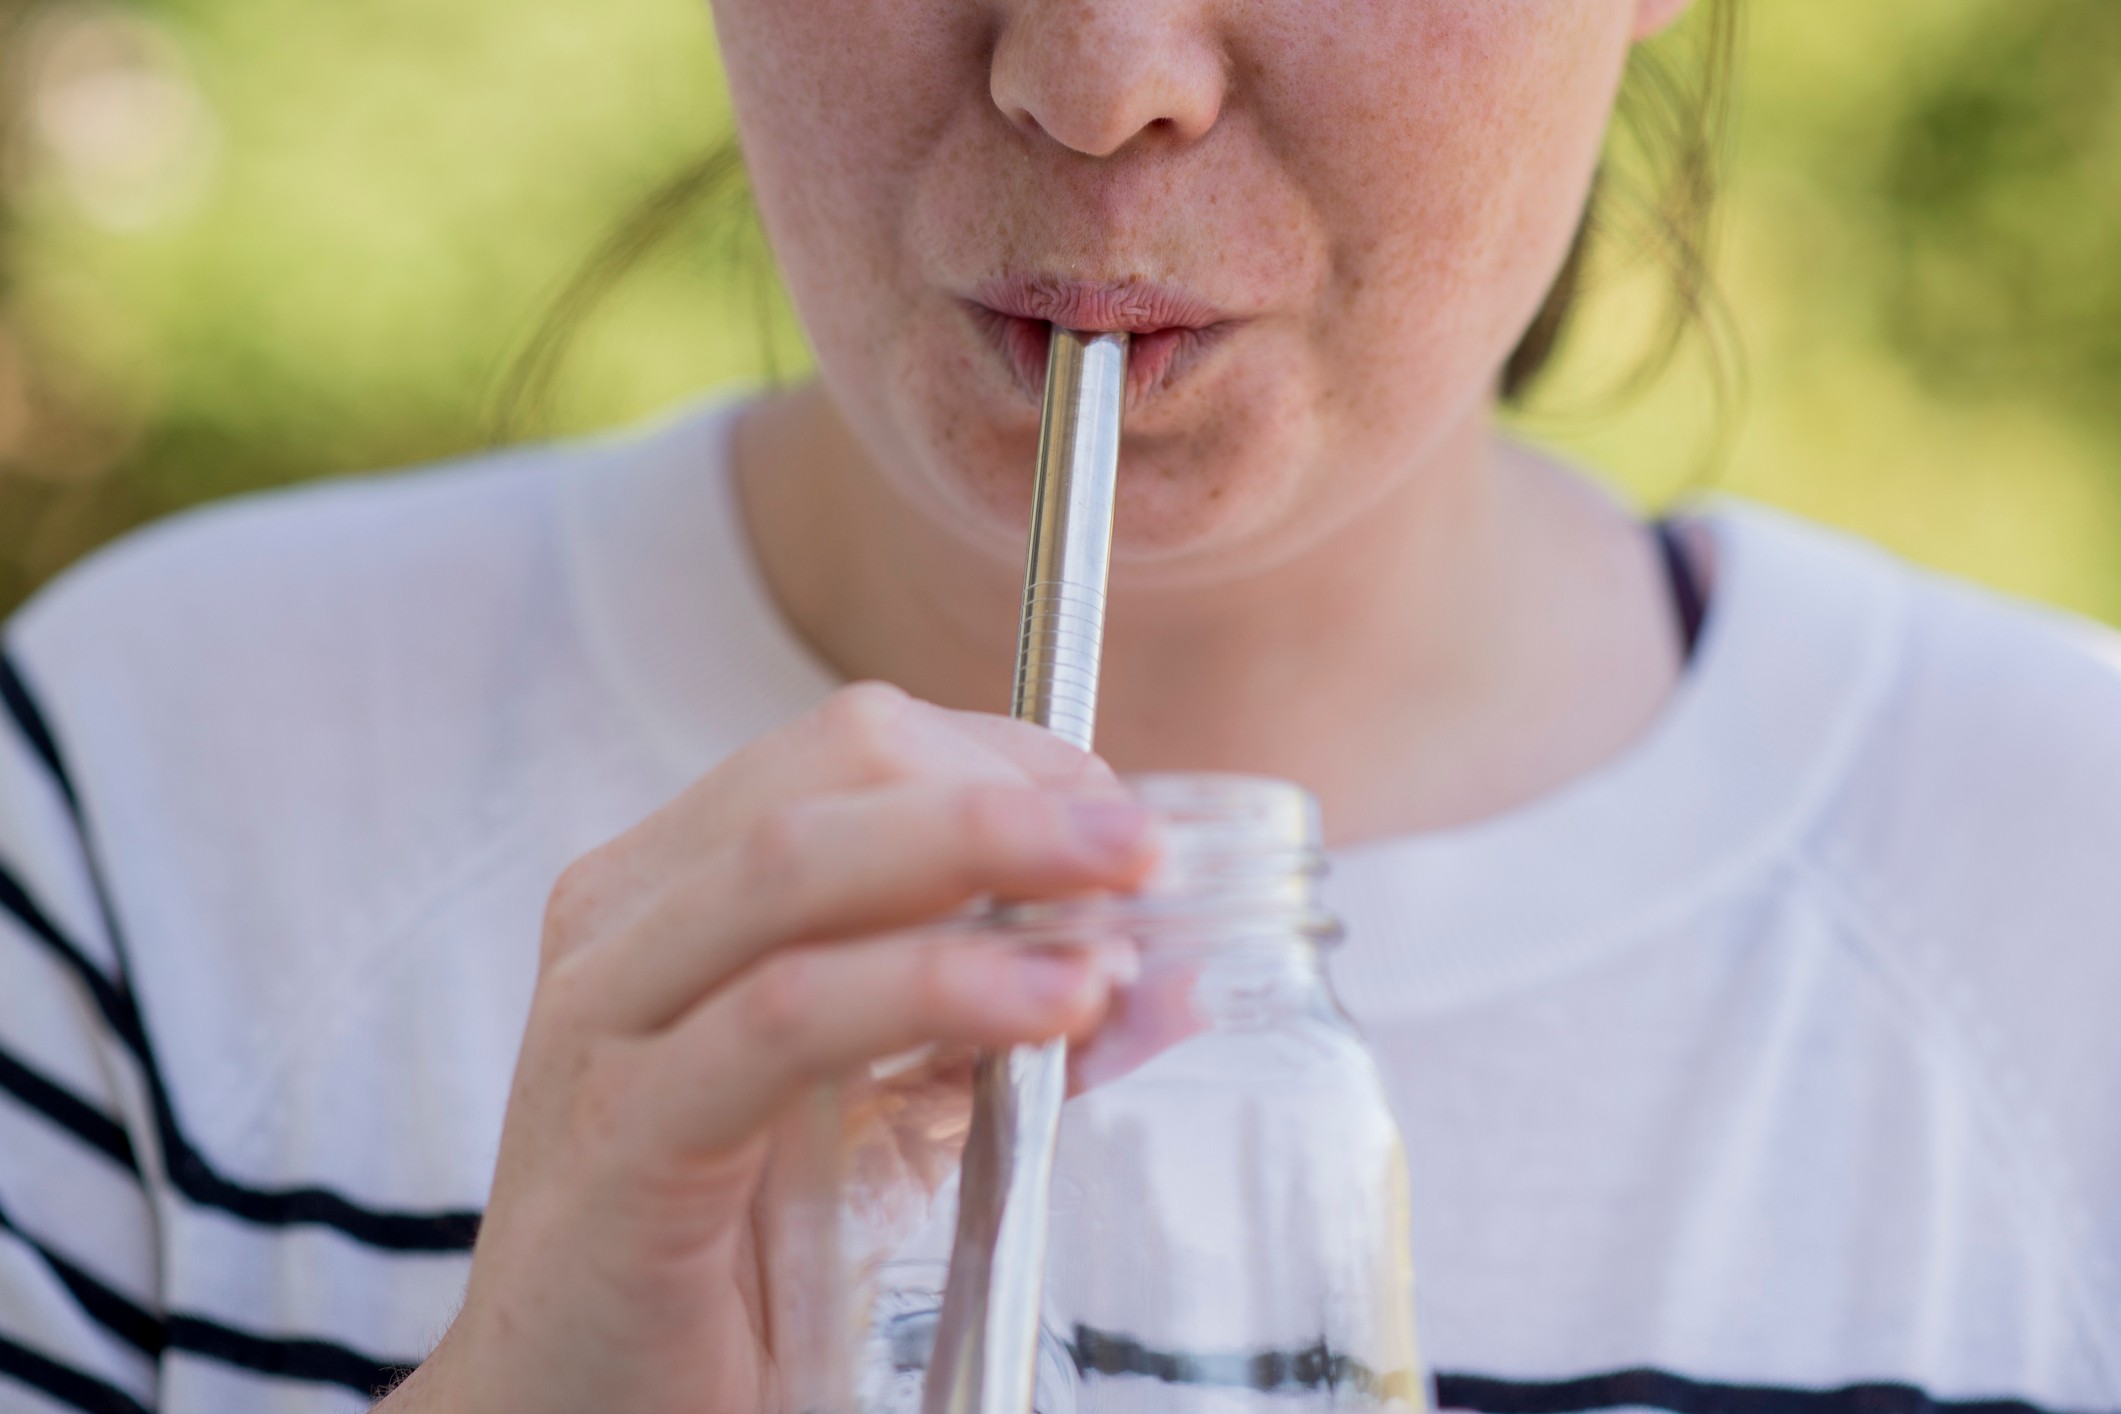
[(1772, 1067)]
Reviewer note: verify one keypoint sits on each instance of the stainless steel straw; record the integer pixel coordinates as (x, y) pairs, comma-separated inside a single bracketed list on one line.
[(986, 1343)]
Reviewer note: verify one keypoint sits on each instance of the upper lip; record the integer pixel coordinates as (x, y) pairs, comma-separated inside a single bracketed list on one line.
[(1092, 307)]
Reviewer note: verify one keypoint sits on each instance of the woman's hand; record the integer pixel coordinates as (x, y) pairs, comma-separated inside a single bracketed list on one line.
[(707, 968)]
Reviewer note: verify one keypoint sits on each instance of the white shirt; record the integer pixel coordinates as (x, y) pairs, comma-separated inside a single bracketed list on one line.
[(1776, 1057)]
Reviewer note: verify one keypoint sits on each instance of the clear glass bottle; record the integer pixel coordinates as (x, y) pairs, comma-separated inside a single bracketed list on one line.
[(1228, 1224)]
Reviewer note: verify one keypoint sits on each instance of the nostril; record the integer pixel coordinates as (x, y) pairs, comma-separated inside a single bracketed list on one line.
[(1014, 109), (1026, 122)]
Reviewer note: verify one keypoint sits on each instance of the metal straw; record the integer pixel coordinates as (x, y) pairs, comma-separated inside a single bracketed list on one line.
[(986, 1341)]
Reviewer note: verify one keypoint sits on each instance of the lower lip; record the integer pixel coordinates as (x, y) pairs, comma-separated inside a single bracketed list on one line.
[(1155, 359)]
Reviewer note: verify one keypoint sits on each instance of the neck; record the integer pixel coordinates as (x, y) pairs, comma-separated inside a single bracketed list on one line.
[(1489, 591)]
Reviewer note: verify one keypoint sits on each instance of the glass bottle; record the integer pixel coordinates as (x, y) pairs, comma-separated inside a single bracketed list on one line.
[(1228, 1224)]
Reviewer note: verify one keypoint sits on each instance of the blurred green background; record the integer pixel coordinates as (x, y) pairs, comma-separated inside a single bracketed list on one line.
[(253, 241)]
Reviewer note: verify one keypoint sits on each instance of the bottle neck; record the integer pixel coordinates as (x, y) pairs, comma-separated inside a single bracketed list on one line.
[(1239, 872), (1220, 950), (1240, 867)]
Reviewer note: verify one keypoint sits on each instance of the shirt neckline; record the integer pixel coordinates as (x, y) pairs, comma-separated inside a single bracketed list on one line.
[(1795, 654)]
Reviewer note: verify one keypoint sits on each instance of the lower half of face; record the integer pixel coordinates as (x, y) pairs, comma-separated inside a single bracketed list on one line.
[(1325, 224)]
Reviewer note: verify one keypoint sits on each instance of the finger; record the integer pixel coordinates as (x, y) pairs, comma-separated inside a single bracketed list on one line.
[(1044, 757), (808, 1014), (839, 866), (866, 735)]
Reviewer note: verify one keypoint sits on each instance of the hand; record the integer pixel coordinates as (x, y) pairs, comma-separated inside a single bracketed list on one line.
[(703, 971)]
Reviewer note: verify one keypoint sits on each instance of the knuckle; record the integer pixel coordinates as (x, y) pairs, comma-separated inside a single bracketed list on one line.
[(574, 906), (562, 1003), (870, 725), (860, 700)]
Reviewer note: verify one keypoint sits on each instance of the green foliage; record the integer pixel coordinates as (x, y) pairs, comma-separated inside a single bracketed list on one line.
[(2002, 211), (1923, 253), (378, 203)]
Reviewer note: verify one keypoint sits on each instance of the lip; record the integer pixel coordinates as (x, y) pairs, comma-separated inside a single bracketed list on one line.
[(1170, 329)]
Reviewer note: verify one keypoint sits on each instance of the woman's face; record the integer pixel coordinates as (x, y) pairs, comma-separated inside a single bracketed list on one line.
[(1326, 223)]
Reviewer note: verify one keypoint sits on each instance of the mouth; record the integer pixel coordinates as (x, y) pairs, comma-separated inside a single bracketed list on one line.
[(1169, 329)]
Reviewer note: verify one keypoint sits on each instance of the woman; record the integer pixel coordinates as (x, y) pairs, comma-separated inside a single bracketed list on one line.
[(1747, 1016)]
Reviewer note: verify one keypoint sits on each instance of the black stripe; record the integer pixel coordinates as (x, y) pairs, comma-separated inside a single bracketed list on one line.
[(1660, 1389), (440, 1231), (119, 1314), (444, 1230), (289, 1357), (1320, 1367), (71, 1113), (189, 1173), (64, 1383), (15, 695), (117, 1008), (317, 1361)]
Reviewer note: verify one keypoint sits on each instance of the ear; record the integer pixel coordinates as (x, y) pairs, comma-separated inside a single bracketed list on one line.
[(1653, 17)]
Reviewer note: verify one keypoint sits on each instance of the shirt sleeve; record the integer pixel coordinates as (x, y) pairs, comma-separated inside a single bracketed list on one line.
[(81, 1325)]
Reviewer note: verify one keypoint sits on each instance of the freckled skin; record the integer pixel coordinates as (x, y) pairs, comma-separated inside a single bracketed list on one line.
[(1329, 567), (1382, 190)]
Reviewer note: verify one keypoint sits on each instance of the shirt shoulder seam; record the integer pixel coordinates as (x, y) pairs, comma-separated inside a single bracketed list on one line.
[(358, 971)]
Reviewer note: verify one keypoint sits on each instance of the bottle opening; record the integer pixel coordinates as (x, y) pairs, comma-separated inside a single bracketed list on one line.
[(1240, 864)]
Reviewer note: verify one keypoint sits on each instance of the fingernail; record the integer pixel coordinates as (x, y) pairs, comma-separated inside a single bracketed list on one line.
[(1051, 979), (1116, 828)]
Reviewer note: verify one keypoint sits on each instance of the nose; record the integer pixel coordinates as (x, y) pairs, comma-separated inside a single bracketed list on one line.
[(1097, 75)]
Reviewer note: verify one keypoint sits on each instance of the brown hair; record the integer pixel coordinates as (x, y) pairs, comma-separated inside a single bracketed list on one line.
[(1655, 198)]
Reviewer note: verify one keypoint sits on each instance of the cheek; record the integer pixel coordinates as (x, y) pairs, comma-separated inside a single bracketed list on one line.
[(1449, 147), (839, 104)]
